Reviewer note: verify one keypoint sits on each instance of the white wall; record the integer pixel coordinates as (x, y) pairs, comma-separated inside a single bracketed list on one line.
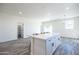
[(8, 26), (59, 27), (31, 27)]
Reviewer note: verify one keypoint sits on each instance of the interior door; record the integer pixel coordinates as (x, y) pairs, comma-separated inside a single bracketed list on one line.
[(20, 31)]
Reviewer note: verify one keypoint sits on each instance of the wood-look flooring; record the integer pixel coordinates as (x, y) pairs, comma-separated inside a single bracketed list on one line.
[(16, 47)]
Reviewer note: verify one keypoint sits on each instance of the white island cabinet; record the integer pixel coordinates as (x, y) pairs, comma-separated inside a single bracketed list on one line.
[(44, 44)]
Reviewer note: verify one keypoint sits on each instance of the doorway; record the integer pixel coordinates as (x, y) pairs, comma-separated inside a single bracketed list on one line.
[(20, 31)]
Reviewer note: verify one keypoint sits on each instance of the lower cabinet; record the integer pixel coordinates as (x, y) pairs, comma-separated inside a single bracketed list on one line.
[(40, 46)]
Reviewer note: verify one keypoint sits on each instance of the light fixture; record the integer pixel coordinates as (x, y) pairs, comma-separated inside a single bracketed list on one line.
[(20, 12), (67, 8)]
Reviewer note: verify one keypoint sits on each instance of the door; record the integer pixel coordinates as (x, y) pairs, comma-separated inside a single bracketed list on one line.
[(20, 31)]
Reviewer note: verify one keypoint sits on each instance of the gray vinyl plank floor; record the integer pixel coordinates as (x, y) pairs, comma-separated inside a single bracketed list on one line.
[(16, 47)]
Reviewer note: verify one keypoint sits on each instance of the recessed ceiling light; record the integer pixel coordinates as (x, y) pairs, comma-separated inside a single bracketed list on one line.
[(20, 12), (67, 8)]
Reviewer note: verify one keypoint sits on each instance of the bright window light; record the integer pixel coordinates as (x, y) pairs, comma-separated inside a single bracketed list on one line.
[(69, 24)]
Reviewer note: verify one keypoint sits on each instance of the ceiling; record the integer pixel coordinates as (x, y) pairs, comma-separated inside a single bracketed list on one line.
[(41, 10)]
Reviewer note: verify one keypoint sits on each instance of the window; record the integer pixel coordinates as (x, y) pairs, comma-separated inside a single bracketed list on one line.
[(69, 24)]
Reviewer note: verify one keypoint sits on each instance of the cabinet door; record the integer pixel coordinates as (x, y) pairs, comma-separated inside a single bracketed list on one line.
[(39, 47)]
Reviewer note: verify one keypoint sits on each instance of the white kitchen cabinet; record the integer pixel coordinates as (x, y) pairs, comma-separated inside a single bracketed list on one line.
[(44, 44)]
